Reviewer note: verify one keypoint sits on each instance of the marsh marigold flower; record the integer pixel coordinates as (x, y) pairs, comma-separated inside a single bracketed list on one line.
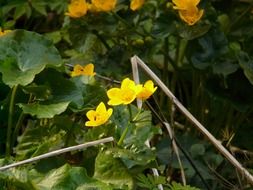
[(188, 10), (136, 4), (99, 116), (147, 90), (3, 32), (125, 94), (87, 70), (77, 8), (104, 5)]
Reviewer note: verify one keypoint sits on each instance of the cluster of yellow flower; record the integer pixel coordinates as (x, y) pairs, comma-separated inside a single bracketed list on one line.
[(79, 8), (126, 94), (128, 91), (188, 10), (3, 32)]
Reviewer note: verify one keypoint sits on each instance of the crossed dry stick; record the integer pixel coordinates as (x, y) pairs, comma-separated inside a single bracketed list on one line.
[(138, 62)]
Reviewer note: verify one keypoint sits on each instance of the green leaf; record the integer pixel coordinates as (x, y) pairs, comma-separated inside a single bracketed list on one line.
[(61, 89), (39, 6), (15, 179), (133, 158), (25, 54), (225, 68), (38, 139), (111, 170), (22, 9), (246, 63), (197, 150), (213, 46), (70, 178), (192, 32), (44, 111), (178, 186)]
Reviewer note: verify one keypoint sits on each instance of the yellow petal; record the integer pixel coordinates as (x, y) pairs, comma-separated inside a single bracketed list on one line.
[(191, 16), (136, 4), (91, 124), (3, 32), (149, 85), (147, 90), (91, 115), (127, 83), (185, 4), (104, 5), (114, 95), (180, 4), (101, 108), (89, 70), (77, 8), (99, 116), (78, 69), (127, 96)]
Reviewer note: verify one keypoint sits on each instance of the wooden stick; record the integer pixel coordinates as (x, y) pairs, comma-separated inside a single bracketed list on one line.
[(57, 152), (191, 118)]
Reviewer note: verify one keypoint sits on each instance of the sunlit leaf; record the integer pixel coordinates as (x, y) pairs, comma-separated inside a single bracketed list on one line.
[(67, 177), (44, 111), (112, 171)]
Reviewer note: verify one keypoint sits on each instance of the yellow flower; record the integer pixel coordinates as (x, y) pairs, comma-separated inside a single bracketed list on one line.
[(3, 32), (87, 70), (99, 116), (147, 90), (184, 4), (136, 4), (188, 10), (104, 5), (77, 8), (92, 8), (125, 94), (191, 16)]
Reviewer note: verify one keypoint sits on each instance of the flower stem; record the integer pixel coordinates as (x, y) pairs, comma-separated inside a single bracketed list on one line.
[(10, 120), (17, 128), (123, 136)]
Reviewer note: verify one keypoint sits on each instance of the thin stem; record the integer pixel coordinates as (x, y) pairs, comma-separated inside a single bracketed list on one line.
[(241, 15), (17, 128), (181, 51), (123, 136), (127, 24), (19, 124), (10, 121)]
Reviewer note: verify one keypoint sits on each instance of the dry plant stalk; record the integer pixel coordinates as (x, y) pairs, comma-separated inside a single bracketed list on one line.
[(58, 152), (139, 105), (175, 148), (194, 121)]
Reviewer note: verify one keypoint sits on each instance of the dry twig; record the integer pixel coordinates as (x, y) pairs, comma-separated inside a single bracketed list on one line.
[(57, 152)]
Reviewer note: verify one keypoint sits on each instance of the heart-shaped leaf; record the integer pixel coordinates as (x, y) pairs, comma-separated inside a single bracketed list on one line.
[(24, 54)]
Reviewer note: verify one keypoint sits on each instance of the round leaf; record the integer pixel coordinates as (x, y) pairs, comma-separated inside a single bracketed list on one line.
[(24, 54)]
